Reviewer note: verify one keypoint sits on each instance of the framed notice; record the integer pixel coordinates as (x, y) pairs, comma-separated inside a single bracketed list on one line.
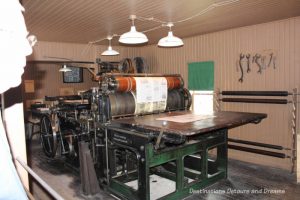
[(29, 86), (74, 76)]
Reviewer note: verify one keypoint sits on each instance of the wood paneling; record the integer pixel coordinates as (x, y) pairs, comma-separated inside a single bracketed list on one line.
[(87, 20), (223, 48), (48, 79), (282, 37)]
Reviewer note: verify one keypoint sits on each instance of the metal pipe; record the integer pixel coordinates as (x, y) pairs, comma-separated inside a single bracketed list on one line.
[(249, 100), (255, 93), (59, 61), (258, 151), (141, 75), (69, 97), (217, 100), (125, 131), (270, 146), (95, 148), (41, 181), (106, 154), (294, 130)]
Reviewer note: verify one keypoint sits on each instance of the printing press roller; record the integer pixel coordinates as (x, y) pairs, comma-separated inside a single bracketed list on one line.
[(124, 98), (131, 135), (124, 103), (126, 83)]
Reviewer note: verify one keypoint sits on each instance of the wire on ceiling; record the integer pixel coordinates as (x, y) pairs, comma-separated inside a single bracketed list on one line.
[(170, 38)]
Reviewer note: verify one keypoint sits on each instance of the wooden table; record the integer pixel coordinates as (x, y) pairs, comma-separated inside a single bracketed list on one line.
[(183, 158)]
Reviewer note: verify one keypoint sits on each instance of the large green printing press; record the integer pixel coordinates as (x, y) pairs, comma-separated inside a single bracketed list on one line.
[(136, 132)]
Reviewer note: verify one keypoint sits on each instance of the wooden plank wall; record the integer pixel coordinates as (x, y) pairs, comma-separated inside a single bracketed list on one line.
[(282, 37), (48, 80), (223, 48)]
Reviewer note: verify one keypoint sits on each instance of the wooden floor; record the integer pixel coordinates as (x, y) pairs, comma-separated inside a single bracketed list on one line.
[(245, 181)]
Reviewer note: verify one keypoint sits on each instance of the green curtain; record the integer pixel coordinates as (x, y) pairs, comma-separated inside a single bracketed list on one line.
[(201, 75)]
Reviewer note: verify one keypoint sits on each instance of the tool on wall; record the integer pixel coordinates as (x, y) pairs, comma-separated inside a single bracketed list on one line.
[(248, 62), (262, 60), (272, 60), (241, 79), (141, 65), (257, 57), (274, 65)]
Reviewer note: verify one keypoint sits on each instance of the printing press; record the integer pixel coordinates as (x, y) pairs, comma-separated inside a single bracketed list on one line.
[(139, 130)]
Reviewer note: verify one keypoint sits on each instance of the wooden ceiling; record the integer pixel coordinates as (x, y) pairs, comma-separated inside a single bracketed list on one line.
[(82, 21)]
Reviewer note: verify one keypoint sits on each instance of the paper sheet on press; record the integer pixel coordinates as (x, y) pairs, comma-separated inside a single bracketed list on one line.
[(151, 94), (186, 118)]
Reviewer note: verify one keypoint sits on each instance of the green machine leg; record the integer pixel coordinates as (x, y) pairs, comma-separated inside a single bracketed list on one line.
[(189, 161)]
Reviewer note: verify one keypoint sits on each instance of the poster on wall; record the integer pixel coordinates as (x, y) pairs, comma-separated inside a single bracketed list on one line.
[(29, 86), (74, 76)]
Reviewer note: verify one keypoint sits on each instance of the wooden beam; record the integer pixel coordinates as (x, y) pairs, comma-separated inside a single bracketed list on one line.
[(91, 71)]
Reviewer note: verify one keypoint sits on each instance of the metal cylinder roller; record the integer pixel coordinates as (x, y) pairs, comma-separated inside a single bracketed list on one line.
[(124, 103), (175, 100), (121, 104), (126, 84)]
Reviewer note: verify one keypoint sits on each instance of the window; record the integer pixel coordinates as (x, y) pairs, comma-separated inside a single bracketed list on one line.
[(74, 76), (201, 86), (202, 102)]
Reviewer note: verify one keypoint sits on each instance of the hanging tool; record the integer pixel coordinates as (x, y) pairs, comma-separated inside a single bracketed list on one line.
[(271, 58), (274, 65), (255, 59), (263, 63), (248, 62), (241, 79)]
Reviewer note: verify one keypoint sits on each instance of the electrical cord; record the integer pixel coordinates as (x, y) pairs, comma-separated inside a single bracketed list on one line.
[(202, 12), (209, 8), (165, 23)]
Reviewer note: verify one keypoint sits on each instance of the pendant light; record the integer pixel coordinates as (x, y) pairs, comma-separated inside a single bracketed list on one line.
[(65, 69), (133, 36), (109, 51), (170, 40)]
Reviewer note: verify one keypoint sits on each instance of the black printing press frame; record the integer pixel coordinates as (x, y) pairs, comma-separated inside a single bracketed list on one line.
[(187, 164), (128, 147)]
